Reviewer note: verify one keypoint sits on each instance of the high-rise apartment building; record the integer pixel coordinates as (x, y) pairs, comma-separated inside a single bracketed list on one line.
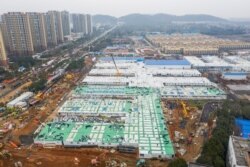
[(3, 56), (26, 33), (50, 29), (59, 27), (38, 33), (19, 33), (75, 22), (54, 28), (79, 23), (65, 23), (89, 24), (5, 36)]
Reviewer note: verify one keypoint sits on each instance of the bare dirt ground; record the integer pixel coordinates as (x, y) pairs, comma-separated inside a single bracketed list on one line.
[(33, 156), (12, 93), (64, 157), (175, 116), (70, 157)]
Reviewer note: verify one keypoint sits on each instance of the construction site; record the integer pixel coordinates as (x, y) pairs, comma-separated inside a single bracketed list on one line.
[(129, 105)]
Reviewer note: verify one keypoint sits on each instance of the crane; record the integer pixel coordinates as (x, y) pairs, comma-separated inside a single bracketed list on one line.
[(117, 69)]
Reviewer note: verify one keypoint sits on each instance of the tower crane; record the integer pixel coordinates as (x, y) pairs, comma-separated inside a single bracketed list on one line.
[(117, 69)]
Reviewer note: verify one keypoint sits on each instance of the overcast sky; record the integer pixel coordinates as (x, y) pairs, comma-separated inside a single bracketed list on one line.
[(221, 8)]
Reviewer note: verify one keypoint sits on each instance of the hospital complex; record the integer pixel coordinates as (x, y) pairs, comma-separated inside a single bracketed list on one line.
[(123, 109)]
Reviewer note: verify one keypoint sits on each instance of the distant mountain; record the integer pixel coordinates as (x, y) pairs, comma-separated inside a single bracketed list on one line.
[(157, 19), (143, 19), (200, 18), (104, 19), (240, 19)]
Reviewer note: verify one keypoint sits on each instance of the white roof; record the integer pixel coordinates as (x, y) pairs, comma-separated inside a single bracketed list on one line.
[(207, 61), (148, 81), (239, 62), (176, 72), (183, 80), (112, 65), (112, 71), (133, 69), (22, 97), (97, 79), (144, 77)]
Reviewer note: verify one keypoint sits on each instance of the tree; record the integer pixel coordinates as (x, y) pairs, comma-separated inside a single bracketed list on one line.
[(26, 61), (215, 149), (38, 85), (204, 159), (179, 162), (219, 162), (76, 64)]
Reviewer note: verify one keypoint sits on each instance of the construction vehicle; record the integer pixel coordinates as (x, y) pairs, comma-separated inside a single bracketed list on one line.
[(39, 96), (141, 163), (184, 108), (68, 77), (5, 154), (13, 144), (96, 160), (185, 113)]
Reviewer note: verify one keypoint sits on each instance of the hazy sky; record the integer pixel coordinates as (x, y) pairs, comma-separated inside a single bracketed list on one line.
[(222, 8)]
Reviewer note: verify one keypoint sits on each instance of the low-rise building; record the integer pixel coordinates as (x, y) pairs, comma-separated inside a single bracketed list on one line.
[(238, 154), (21, 101), (234, 76)]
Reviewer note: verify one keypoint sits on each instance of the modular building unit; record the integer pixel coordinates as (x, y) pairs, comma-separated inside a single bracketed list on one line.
[(177, 64), (234, 76)]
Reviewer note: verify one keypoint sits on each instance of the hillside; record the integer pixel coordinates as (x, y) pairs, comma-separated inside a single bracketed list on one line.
[(104, 19), (143, 19)]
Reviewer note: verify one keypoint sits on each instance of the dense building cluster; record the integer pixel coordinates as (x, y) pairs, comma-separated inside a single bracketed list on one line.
[(26, 33), (194, 44)]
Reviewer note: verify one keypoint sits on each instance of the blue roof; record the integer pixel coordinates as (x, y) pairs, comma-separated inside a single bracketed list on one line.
[(244, 126), (235, 73), (167, 62), (122, 58)]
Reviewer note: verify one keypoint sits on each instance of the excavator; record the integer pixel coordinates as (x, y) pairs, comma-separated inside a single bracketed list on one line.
[(184, 108), (185, 113)]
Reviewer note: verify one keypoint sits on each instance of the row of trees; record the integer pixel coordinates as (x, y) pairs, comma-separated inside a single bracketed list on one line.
[(4, 74), (215, 149), (38, 85), (76, 64), (179, 162), (25, 61)]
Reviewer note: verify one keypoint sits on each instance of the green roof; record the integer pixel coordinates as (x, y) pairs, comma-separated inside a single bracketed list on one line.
[(144, 121)]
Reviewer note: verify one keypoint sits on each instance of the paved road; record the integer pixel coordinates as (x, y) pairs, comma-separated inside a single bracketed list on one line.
[(208, 108), (99, 37)]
